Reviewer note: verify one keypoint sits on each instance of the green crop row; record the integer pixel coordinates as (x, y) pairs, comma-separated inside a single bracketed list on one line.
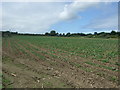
[(98, 49), (102, 66)]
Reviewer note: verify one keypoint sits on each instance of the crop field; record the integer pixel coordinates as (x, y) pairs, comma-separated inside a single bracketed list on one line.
[(59, 62)]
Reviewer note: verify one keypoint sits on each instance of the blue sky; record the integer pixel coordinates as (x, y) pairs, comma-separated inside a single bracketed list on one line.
[(74, 17), (91, 16)]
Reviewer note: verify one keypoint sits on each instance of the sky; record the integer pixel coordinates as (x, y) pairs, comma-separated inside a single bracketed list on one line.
[(63, 17)]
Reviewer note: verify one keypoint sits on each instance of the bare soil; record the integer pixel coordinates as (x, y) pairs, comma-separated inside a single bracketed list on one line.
[(31, 71)]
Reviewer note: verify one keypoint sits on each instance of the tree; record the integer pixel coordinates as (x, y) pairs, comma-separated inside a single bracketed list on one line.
[(53, 33), (60, 34), (95, 33), (6, 33), (113, 33), (47, 34), (68, 34), (63, 34)]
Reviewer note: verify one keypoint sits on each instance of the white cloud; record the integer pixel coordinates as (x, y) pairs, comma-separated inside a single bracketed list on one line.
[(30, 17), (60, 0), (71, 11), (0, 16), (37, 17)]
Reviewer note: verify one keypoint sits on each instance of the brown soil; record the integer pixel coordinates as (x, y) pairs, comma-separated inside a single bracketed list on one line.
[(50, 72)]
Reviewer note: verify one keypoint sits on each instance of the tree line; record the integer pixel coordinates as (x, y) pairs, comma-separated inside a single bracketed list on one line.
[(112, 34)]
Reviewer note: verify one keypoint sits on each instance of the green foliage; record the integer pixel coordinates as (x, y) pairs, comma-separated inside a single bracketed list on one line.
[(53, 33), (101, 74), (68, 34), (75, 64), (102, 66), (6, 82), (104, 50), (62, 48), (112, 34), (105, 60), (113, 78), (117, 63)]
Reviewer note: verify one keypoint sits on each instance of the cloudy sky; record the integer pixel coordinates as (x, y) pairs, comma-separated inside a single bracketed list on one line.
[(74, 17)]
